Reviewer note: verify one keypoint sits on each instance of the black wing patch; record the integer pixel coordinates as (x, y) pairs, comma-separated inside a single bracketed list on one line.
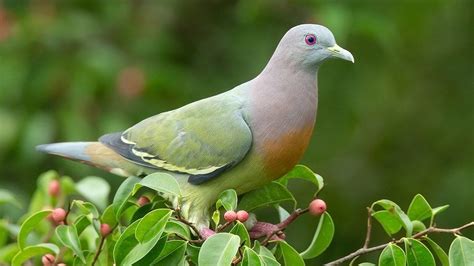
[(114, 141), (199, 179)]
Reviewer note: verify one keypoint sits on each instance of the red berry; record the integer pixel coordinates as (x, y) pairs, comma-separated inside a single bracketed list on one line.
[(58, 215), (54, 188), (105, 230), (143, 201), (317, 207), (242, 216), (48, 260), (230, 216)]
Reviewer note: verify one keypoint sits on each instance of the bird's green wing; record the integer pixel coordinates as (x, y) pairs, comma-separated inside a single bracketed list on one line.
[(202, 139)]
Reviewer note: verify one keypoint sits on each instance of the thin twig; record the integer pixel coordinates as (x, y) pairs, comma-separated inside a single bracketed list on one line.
[(369, 228), (241, 255), (222, 227), (421, 234), (101, 245), (188, 223), (282, 226)]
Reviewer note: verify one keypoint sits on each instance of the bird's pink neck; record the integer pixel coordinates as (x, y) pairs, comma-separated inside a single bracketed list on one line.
[(283, 108)]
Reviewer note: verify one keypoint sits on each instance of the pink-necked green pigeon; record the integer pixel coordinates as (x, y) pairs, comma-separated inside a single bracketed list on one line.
[(240, 139)]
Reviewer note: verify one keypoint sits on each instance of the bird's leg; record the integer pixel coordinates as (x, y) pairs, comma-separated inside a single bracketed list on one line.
[(206, 233), (267, 230), (274, 232)]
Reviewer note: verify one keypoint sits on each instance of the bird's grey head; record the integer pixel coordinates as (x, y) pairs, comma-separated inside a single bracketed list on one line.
[(310, 45)]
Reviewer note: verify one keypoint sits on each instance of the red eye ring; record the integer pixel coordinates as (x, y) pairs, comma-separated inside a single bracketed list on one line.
[(310, 39)]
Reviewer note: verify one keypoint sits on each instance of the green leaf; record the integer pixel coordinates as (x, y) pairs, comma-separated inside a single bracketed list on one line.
[(290, 255), (178, 228), (34, 251), (439, 209), (7, 197), (67, 234), (94, 189), (216, 217), (86, 208), (227, 199), (152, 225), (270, 194), (419, 208), (442, 256), (389, 221), (141, 211), (172, 253), (193, 253), (268, 261), (29, 225), (240, 230), (160, 182), (322, 237), (264, 251), (392, 255), (282, 213), (219, 249), (81, 223), (7, 252), (128, 250), (418, 226), (397, 211), (108, 216), (120, 201), (154, 253), (418, 254), (461, 252), (41, 197), (251, 258), (367, 264), (303, 172)]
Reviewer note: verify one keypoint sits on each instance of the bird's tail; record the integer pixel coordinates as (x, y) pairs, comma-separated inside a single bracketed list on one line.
[(95, 154)]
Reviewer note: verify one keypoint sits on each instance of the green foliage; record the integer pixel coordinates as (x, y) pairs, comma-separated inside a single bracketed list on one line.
[(154, 234)]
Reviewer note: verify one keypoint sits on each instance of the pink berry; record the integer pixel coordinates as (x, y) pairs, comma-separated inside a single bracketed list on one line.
[(105, 230), (317, 207), (242, 216), (58, 215), (230, 216), (143, 201), (54, 188), (48, 260)]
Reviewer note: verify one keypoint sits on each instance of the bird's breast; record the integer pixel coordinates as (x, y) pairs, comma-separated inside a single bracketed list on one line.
[(282, 152)]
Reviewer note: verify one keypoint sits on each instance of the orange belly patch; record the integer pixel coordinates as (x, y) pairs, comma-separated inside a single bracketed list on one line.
[(281, 154)]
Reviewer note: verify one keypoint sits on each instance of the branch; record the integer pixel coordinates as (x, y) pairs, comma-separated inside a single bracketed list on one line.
[(284, 224), (101, 245), (369, 228), (421, 234), (188, 223)]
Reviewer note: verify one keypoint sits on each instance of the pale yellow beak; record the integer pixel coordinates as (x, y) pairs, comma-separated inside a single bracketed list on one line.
[(340, 52)]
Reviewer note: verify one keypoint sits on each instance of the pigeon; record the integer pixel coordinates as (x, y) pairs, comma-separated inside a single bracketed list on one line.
[(240, 139)]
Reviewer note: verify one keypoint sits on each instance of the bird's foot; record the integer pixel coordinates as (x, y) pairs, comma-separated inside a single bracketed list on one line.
[(269, 231)]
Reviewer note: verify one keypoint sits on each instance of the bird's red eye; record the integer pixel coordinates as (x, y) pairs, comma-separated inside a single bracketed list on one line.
[(310, 39)]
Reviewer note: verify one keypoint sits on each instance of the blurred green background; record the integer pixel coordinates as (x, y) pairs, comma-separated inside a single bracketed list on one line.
[(400, 121)]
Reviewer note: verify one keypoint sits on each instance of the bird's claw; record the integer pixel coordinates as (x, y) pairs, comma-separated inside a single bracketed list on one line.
[(268, 230)]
